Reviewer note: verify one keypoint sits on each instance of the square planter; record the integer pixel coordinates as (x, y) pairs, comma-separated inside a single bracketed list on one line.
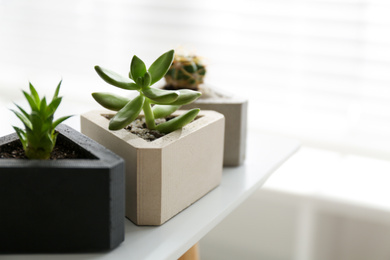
[(235, 111), (64, 205), (164, 176)]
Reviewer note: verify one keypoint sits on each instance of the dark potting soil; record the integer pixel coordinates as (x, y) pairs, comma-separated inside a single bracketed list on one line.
[(64, 149)]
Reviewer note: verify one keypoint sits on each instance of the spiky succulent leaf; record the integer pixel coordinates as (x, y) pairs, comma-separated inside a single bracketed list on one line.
[(26, 121), (22, 136), (33, 105), (54, 105), (39, 136), (57, 91), (22, 110), (34, 95), (59, 121)]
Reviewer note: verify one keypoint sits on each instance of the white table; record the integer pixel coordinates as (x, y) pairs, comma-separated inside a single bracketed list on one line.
[(169, 241)]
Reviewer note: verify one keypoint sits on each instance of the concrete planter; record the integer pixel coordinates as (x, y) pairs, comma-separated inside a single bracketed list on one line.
[(235, 111), (66, 205), (164, 176)]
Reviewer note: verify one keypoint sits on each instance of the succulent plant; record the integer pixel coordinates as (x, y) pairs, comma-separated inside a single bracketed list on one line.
[(156, 103), (186, 72), (39, 137)]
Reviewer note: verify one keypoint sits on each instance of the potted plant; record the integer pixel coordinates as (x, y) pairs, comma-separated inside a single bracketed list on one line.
[(167, 174), (188, 72), (60, 191)]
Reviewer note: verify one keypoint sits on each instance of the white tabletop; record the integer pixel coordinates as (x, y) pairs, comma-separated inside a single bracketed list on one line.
[(175, 237)]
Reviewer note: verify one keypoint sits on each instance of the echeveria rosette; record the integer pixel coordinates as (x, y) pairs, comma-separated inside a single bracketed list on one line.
[(156, 103), (39, 136)]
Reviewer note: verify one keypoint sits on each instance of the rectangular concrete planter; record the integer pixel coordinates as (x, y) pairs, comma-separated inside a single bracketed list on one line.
[(64, 205), (235, 111), (164, 176)]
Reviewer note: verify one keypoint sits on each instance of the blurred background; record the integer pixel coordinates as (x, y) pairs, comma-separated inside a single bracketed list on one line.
[(313, 70)]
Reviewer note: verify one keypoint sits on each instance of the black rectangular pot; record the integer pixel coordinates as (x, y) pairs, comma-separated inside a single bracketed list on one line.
[(67, 205)]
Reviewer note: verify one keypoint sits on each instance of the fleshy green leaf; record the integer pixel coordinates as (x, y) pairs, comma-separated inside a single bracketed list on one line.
[(110, 101), (160, 67), (161, 96), (137, 68), (144, 81), (127, 114), (178, 122), (115, 79), (186, 97), (161, 111)]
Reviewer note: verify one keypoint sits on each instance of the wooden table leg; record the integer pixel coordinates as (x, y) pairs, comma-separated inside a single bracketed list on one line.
[(191, 254)]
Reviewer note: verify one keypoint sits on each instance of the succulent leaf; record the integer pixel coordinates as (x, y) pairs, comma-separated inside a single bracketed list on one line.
[(187, 96), (137, 68), (60, 120), (165, 101), (161, 111), (23, 111), (178, 122), (54, 105), (116, 79), (22, 136), (34, 95), (31, 102), (160, 67), (161, 96), (57, 91), (127, 114), (23, 118), (39, 136), (110, 101)]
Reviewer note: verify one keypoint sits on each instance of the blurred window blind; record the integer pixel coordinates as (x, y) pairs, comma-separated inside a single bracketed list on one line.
[(317, 70)]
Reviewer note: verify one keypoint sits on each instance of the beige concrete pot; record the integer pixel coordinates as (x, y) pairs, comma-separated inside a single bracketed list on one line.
[(164, 176), (235, 111)]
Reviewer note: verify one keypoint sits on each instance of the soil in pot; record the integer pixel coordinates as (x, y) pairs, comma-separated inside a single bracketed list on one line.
[(138, 127), (64, 149)]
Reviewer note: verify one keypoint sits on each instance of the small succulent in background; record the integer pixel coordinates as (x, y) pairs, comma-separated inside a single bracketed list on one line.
[(186, 72), (156, 103), (39, 136)]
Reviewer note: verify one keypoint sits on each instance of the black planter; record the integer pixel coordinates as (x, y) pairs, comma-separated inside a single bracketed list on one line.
[(67, 205)]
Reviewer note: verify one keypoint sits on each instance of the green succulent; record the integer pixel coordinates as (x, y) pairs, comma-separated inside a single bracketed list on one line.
[(39, 137), (186, 72), (156, 103)]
